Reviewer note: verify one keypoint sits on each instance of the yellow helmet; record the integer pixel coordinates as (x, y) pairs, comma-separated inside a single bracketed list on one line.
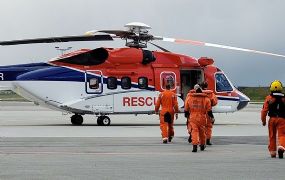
[(276, 86)]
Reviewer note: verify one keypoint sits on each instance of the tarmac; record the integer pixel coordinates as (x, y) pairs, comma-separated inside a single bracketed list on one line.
[(38, 143)]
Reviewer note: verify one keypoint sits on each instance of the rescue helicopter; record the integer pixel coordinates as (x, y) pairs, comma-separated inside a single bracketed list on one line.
[(127, 80)]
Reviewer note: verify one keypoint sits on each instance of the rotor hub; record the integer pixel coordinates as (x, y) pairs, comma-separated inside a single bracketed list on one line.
[(138, 27), (138, 35)]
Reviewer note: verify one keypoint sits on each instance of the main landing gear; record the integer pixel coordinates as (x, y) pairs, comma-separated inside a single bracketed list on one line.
[(77, 120), (103, 121)]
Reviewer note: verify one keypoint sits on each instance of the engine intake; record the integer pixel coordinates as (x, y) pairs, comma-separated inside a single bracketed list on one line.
[(130, 56), (93, 57)]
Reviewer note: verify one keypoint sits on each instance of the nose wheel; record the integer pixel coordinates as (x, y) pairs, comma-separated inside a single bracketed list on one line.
[(76, 119), (103, 121)]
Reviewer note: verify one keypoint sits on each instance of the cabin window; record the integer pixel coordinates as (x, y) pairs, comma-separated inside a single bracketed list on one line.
[(112, 83), (94, 83), (126, 83), (167, 78), (143, 82), (222, 83)]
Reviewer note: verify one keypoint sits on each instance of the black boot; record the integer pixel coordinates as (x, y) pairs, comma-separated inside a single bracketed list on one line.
[(195, 147), (202, 147), (190, 139), (208, 142), (170, 138), (280, 153)]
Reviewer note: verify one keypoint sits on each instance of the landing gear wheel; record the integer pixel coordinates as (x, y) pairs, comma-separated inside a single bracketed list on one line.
[(103, 121), (99, 121), (76, 119)]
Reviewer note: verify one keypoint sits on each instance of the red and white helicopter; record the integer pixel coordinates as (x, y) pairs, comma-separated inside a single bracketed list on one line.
[(126, 80)]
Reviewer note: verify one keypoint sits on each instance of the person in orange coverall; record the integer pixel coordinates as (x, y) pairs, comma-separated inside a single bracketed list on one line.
[(274, 107), (169, 106), (186, 111), (198, 105), (210, 117)]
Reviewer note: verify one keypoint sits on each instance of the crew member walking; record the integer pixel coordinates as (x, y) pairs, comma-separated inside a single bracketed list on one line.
[(186, 111), (198, 105), (169, 106), (210, 116), (274, 107)]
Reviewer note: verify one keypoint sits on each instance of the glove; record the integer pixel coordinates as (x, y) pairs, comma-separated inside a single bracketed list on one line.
[(264, 123), (213, 120), (186, 114), (210, 114)]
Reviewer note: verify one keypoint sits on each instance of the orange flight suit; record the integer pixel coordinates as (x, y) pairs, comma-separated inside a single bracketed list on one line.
[(276, 123), (168, 102), (198, 104), (186, 109), (214, 101)]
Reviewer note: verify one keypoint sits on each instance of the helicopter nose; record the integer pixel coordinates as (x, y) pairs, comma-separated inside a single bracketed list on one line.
[(243, 101)]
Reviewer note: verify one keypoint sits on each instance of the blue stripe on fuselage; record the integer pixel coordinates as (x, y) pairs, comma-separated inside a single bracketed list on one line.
[(53, 73), (57, 73), (11, 72)]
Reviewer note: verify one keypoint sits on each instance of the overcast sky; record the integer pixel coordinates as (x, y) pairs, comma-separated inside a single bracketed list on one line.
[(254, 24)]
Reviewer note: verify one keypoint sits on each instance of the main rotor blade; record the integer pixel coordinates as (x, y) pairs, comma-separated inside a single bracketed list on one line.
[(59, 39), (200, 43), (120, 33)]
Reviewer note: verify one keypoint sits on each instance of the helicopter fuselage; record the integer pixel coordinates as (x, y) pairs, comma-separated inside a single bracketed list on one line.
[(117, 81)]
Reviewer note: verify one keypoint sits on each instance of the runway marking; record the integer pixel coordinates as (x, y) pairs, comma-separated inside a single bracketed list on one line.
[(97, 153)]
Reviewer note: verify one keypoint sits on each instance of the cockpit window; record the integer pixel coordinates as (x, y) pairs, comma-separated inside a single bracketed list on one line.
[(222, 83)]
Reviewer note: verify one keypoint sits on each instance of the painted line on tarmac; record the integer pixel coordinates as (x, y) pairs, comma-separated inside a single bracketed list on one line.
[(95, 153)]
